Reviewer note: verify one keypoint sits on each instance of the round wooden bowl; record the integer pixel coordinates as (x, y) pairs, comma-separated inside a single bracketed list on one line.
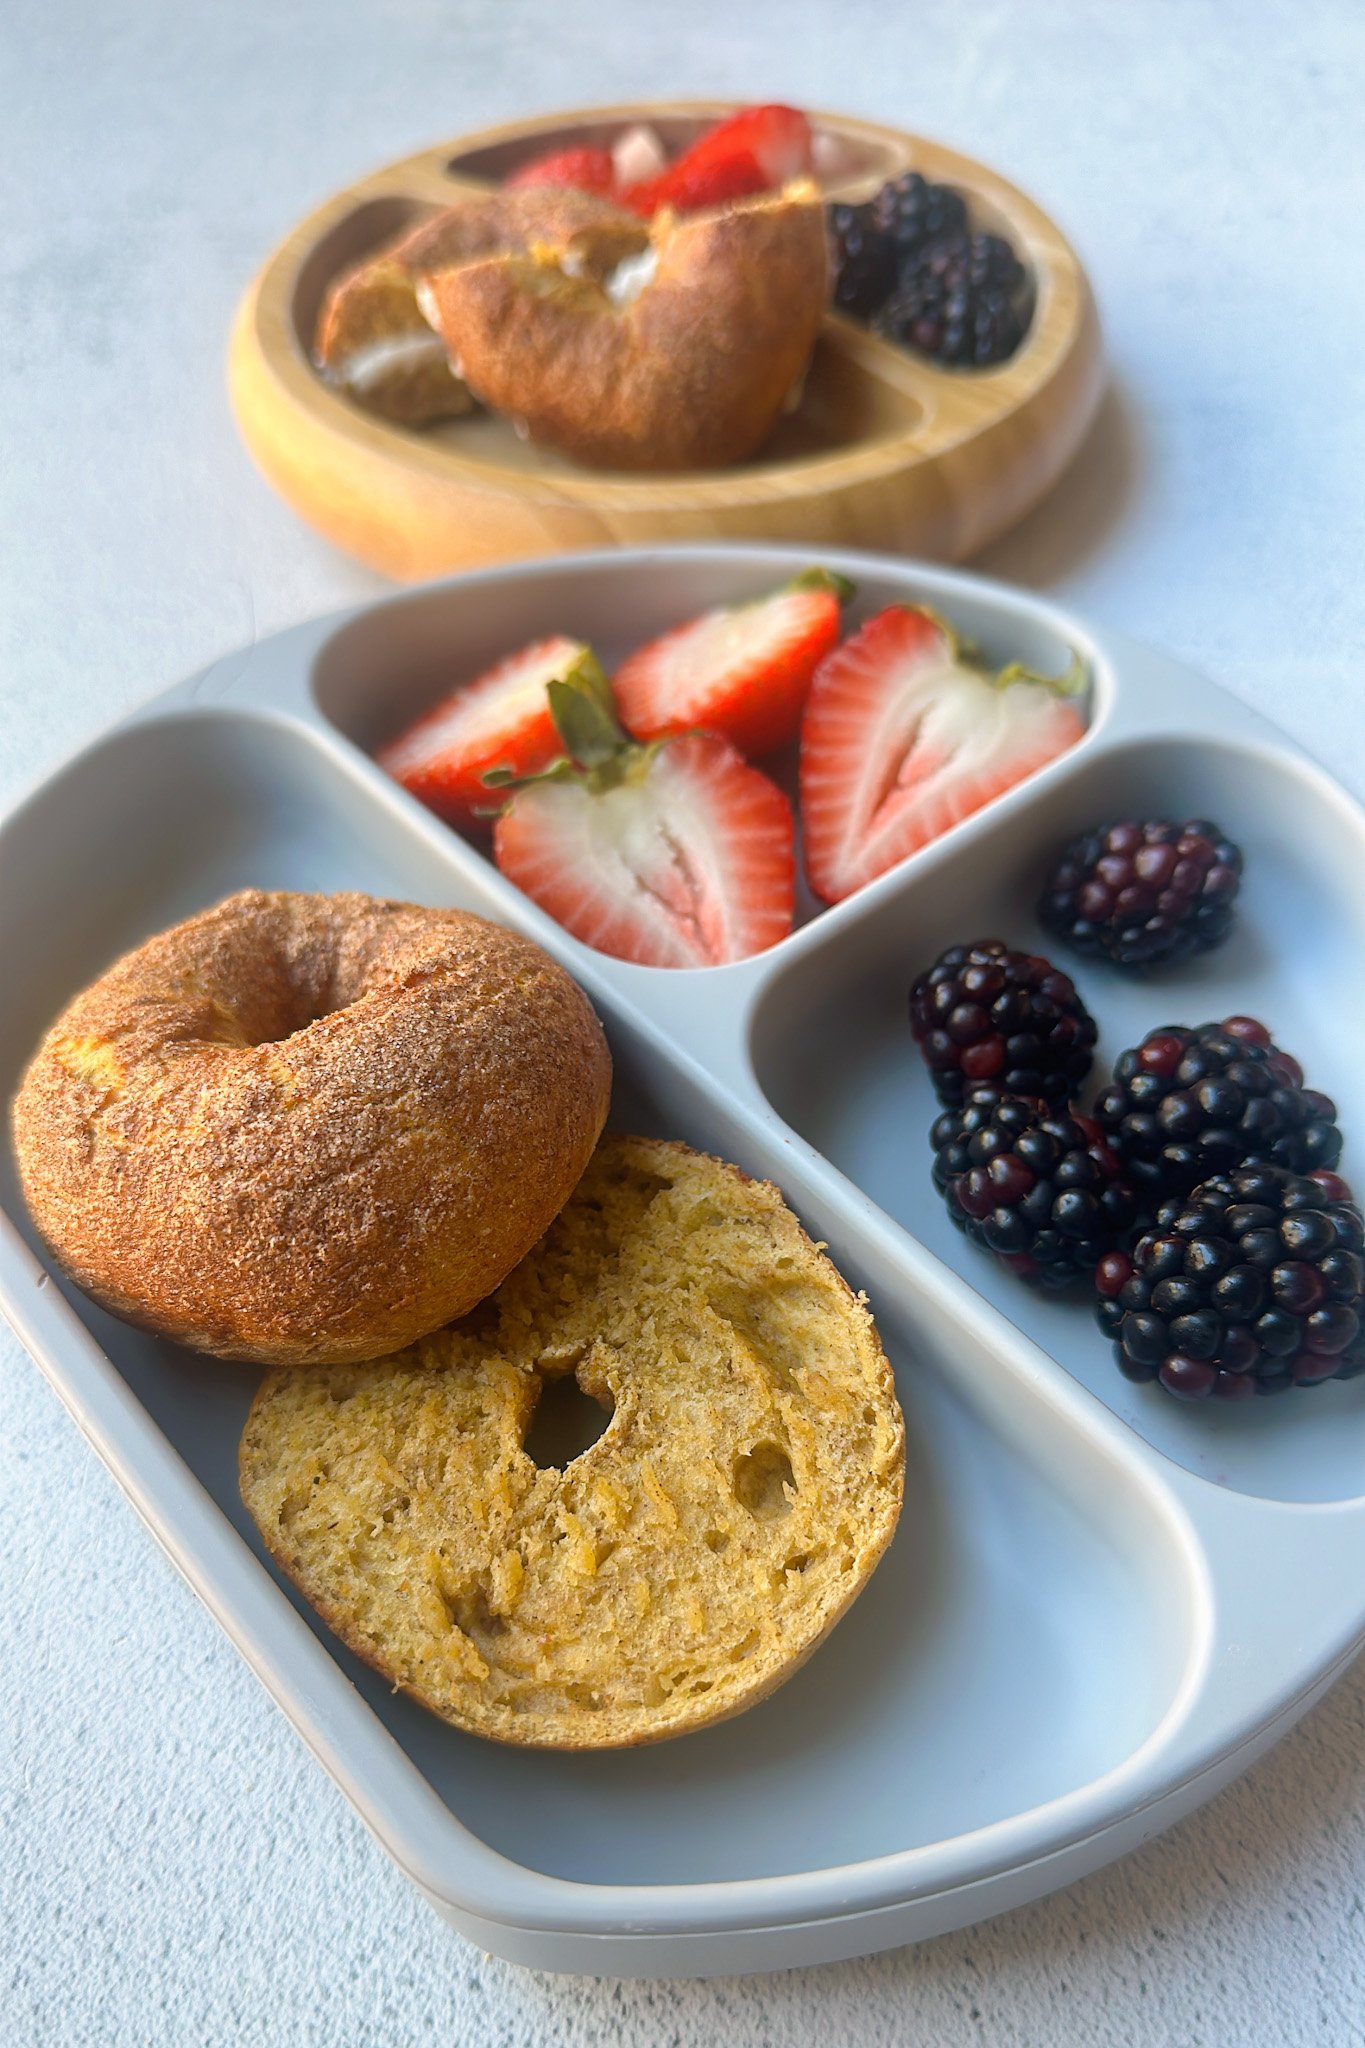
[(884, 451)]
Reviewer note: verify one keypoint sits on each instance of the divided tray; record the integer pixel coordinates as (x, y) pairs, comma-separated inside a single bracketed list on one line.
[(1100, 1603), (884, 446)]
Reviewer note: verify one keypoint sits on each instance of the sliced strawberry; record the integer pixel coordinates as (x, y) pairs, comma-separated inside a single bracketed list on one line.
[(903, 736), (754, 150), (742, 671), (777, 137), (500, 720), (673, 855), (584, 168), (689, 188)]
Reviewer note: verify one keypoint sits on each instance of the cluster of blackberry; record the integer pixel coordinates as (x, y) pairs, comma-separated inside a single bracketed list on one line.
[(1199, 1199), (909, 262), (1008, 1043)]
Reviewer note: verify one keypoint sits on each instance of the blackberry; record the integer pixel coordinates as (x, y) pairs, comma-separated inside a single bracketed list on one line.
[(864, 259), (984, 1013), (1144, 890), (1187, 1104), (1037, 1186), (960, 299), (872, 240), (910, 212), (1250, 1284), (908, 260)]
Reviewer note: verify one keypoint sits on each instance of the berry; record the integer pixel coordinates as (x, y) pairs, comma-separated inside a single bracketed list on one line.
[(911, 211), (742, 671), (908, 260), (676, 854), (1250, 1284), (500, 719), (585, 168), (754, 150), (903, 734), (1187, 1104), (1037, 1186), (960, 299), (1144, 890), (983, 1013), (863, 259)]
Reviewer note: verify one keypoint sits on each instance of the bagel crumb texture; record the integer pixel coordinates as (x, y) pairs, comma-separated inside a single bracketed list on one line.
[(670, 1574), (299, 1129)]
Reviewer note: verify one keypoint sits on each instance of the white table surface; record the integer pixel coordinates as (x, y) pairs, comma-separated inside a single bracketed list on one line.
[(173, 1867)]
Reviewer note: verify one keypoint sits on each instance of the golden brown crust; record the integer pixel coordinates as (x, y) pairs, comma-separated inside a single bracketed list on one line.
[(375, 303), (670, 1575), (690, 373), (298, 1129)]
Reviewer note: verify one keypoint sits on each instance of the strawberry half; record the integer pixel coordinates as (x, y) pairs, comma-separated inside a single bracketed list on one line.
[(584, 168), (742, 671), (904, 735), (677, 854), (755, 150), (500, 720)]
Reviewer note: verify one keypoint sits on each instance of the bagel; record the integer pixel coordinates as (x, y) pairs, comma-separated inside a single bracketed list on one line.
[(372, 339), (307, 1129), (675, 352), (676, 1570)]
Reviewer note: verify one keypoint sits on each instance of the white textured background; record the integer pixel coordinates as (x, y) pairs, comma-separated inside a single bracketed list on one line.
[(173, 1868)]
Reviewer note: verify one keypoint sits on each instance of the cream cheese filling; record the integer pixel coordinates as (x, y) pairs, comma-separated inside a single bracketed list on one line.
[(625, 284), (368, 366)]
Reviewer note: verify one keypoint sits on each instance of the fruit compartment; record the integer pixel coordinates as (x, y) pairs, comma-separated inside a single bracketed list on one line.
[(377, 672), (831, 1047), (959, 1648), (863, 157)]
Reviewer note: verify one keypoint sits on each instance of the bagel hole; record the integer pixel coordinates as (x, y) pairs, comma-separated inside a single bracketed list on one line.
[(761, 1481), (567, 1421)]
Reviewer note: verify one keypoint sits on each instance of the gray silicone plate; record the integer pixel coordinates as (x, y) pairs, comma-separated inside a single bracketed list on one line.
[(1100, 1604)]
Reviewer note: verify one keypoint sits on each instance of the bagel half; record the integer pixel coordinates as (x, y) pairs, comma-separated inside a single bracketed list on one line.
[(676, 1570), (305, 1129), (373, 340), (676, 353)]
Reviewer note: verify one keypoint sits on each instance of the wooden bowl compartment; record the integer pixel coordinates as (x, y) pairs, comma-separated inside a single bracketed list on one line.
[(884, 448)]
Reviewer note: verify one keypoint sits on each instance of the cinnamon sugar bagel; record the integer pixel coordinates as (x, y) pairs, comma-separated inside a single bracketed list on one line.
[(665, 1576), (305, 1130)]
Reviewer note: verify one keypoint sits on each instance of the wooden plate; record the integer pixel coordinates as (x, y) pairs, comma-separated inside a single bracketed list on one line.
[(885, 449)]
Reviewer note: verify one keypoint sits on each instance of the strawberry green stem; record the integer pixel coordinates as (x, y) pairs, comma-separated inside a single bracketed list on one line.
[(598, 751), (1071, 683), (824, 579)]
